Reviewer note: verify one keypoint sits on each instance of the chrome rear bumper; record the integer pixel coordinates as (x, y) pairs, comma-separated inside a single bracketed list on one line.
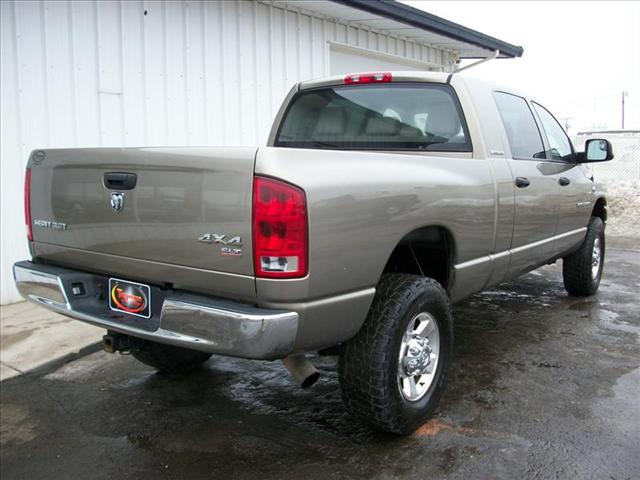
[(181, 319)]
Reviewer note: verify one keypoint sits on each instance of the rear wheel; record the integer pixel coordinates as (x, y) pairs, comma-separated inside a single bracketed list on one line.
[(169, 359), (393, 372), (582, 270)]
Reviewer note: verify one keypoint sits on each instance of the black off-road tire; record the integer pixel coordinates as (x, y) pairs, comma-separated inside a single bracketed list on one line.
[(368, 365), (577, 267), (169, 359)]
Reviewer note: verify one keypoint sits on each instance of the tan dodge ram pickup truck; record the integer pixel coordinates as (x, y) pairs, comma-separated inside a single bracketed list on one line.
[(380, 199)]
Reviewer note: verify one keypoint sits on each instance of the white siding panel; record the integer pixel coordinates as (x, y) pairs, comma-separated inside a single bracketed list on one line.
[(305, 52), (247, 117), (110, 82), (278, 55), (290, 47), (263, 68), (12, 153), (142, 72), (213, 73), (133, 94), (176, 72), (230, 69), (154, 76), (59, 73), (32, 73), (87, 99), (194, 59)]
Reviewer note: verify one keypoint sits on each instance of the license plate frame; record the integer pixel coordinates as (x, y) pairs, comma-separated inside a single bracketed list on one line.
[(129, 297)]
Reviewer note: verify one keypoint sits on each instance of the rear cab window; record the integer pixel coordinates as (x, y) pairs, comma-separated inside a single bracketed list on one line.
[(392, 116)]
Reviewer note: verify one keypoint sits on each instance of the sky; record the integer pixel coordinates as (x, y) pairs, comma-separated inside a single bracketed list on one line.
[(578, 56)]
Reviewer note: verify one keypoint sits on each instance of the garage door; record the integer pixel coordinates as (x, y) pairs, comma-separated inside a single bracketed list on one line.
[(347, 59)]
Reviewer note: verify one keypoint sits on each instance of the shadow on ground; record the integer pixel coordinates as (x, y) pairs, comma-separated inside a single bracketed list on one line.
[(543, 386)]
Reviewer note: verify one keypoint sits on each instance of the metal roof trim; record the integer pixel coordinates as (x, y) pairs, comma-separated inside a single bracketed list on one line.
[(408, 15)]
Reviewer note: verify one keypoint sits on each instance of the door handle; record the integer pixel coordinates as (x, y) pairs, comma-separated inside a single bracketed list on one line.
[(120, 180), (522, 182), (564, 181)]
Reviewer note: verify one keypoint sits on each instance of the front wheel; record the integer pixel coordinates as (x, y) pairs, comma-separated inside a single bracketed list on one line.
[(582, 270), (393, 372)]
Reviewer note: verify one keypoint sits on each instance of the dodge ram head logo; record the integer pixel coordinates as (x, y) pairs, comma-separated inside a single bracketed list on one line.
[(230, 246), (117, 201)]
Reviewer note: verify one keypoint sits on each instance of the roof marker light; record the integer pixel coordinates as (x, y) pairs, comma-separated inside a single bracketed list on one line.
[(370, 77)]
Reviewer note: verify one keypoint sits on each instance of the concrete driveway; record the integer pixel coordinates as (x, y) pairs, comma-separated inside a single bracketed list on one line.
[(543, 386), (31, 336)]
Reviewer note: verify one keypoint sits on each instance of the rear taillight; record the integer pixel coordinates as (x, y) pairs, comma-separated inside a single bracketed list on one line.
[(280, 238), (27, 204), (372, 77)]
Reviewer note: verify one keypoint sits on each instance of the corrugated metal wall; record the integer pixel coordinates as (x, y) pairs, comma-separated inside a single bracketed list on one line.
[(126, 73)]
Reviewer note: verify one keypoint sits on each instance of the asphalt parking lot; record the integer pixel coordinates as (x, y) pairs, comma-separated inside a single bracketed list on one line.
[(543, 386)]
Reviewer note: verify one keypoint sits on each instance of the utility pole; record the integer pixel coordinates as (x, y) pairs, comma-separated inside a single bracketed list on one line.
[(565, 120), (624, 94)]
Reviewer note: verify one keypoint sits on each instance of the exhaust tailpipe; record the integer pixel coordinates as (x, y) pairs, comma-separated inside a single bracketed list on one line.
[(301, 369)]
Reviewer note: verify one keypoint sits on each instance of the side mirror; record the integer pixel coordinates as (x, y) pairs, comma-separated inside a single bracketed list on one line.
[(596, 150)]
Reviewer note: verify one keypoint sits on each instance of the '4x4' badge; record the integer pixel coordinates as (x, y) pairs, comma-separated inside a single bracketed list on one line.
[(231, 247)]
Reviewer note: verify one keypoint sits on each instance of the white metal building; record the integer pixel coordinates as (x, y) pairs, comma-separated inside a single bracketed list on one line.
[(133, 72)]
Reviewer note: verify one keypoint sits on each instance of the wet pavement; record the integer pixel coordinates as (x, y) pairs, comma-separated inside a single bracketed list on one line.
[(543, 386)]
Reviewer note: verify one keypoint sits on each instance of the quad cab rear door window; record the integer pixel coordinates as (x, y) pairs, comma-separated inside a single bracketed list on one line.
[(376, 117), (522, 131)]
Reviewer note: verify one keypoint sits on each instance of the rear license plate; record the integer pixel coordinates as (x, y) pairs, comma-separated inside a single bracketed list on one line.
[(130, 297)]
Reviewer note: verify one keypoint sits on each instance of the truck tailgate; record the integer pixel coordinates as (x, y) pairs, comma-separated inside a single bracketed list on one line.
[(185, 205)]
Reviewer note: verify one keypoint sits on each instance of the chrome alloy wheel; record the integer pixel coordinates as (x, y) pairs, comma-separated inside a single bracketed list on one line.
[(418, 359), (596, 259)]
